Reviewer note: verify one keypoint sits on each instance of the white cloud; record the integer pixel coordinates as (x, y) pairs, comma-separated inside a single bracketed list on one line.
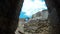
[(30, 7)]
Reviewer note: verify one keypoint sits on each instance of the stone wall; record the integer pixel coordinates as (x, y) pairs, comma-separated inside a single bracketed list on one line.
[(9, 15), (54, 16)]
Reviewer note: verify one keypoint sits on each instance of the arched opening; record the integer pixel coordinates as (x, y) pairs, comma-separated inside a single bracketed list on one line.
[(34, 15)]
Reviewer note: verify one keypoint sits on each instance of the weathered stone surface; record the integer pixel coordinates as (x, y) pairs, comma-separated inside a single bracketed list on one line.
[(54, 15), (9, 15), (37, 26)]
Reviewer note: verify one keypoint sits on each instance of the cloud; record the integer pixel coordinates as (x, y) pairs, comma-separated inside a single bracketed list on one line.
[(30, 7)]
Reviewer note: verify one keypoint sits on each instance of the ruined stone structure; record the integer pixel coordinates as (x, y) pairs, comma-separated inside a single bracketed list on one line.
[(41, 15), (9, 15), (38, 24)]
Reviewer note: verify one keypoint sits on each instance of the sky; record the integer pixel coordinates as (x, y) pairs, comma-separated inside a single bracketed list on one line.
[(31, 7)]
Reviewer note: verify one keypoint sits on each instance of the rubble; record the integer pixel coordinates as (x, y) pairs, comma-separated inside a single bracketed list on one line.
[(37, 25)]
